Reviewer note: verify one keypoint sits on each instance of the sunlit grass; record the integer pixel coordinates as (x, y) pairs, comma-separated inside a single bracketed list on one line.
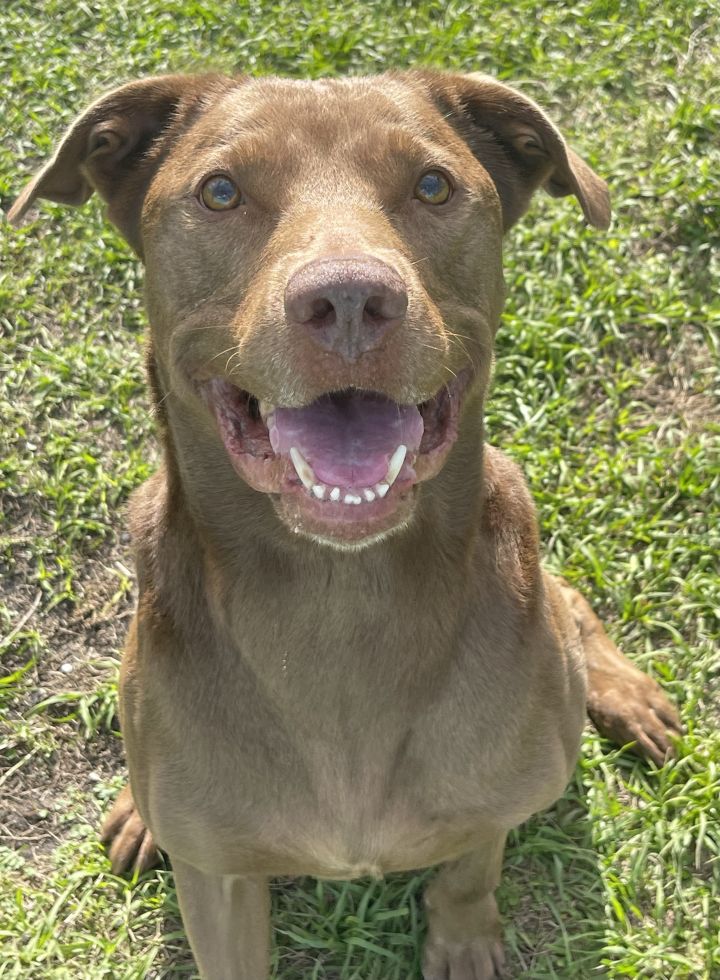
[(605, 392)]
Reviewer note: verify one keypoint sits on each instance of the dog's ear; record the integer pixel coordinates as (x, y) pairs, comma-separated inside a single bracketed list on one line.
[(116, 146), (517, 144)]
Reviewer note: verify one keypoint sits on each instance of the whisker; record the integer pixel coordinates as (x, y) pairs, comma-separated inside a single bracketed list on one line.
[(220, 353)]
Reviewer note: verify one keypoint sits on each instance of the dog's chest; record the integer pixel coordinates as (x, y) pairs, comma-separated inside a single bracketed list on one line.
[(330, 812), (365, 785), (369, 810)]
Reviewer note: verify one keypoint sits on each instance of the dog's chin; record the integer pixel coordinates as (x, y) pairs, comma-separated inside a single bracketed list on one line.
[(342, 527), (343, 470)]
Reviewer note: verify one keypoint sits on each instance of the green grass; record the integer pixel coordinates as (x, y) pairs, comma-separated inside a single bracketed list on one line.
[(605, 392)]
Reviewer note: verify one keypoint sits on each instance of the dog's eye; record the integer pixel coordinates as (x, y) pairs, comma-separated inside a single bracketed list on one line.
[(433, 188), (220, 193)]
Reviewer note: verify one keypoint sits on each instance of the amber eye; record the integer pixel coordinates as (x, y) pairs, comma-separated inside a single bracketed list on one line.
[(433, 188), (220, 193)]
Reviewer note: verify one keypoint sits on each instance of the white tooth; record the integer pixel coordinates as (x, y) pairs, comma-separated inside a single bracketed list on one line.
[(369, 495), (395, 465), (266, 408), (382, 489), (319, 491), (303, 468), (356, 499), (351, 498), (335, 493)]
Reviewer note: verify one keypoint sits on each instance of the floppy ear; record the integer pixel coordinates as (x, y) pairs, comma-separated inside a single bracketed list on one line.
[(116, 146), (518, 145)]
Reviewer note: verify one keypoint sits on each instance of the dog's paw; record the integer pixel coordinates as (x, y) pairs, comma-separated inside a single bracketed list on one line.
[(132, 848), (481, 958), (626, 705)]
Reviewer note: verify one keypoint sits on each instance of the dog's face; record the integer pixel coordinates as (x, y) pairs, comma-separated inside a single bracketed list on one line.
[(323, 266)]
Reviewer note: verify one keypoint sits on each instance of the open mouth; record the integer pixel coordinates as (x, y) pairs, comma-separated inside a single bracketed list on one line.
[(343, 466)]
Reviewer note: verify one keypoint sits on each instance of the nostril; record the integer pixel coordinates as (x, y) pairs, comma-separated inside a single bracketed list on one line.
[(322, 308), (386, 305), (374, 308)]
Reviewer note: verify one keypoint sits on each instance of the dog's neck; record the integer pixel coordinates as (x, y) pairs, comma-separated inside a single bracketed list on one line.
[(234, 561)]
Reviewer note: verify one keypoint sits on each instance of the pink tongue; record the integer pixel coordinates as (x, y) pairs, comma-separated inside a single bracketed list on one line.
[(348, 438)]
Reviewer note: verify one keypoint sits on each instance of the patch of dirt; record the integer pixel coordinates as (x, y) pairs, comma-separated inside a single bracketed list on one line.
[(682, 382), (34, 809), (79, 646), (73, 646), (73, 636), (680, 390)]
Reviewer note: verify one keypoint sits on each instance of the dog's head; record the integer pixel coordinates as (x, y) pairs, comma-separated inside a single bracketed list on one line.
[(323, 266)]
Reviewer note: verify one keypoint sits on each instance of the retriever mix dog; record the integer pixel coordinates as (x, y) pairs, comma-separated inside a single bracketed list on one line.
[(346, 658)]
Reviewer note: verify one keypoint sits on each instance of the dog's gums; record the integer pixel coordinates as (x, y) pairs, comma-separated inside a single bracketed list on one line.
[(345, 464)]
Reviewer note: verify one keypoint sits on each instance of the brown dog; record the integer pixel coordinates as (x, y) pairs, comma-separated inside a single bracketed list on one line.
[(346, 658)]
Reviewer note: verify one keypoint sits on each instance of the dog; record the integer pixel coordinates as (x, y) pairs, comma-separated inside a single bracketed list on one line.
[(346, 658)]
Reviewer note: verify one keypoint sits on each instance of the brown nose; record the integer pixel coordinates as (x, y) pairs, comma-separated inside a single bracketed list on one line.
[(346, 305)]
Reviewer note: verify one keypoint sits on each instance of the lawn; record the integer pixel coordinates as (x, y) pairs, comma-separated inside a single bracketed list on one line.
[(605, 391)]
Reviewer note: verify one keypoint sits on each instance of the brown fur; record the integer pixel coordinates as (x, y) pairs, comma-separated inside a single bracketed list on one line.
[(290, 708)]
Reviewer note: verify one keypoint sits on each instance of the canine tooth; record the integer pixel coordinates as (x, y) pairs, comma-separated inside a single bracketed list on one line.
[(335, 493), (395, 465), (303, 468), (382, 489), (369, 495), (266, 408), (319, 491)]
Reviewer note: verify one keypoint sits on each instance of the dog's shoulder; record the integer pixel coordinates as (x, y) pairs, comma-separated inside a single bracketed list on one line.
[(148, 512), (508, 507), (169, 557), (509, 522)]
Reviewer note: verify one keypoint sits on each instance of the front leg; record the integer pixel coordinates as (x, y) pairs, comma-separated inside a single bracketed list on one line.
[(227, 920), (464, 932), (624, 704)]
